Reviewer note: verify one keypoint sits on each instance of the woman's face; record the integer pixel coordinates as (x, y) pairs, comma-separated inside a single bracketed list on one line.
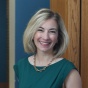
[(46, 36)]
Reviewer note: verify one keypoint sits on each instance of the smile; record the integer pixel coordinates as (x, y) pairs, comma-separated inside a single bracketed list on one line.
[(45, 43)]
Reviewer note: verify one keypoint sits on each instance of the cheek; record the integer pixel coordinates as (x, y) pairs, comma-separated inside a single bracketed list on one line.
[(54, 39), (36, 36)]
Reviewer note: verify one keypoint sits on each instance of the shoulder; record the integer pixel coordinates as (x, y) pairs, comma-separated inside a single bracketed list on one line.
[(21, 61), (73, 80), (20, 64), (68, 65)]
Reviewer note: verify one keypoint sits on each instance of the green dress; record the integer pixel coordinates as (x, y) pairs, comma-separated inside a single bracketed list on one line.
[(52, 77)]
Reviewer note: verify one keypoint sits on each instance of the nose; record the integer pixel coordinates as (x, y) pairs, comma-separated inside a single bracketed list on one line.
[(46, 35)]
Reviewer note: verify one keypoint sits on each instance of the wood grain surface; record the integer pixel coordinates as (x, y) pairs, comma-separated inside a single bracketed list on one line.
[(70, 12), (84, 43), (75, 15)]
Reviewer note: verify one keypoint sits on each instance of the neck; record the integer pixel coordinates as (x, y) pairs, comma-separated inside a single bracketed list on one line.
[(43, 58)]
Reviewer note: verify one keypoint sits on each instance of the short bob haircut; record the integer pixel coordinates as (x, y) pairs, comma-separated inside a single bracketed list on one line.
[(35, 22)]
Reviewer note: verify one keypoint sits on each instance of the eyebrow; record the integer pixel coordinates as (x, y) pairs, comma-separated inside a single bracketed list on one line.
[(50, 29), (41, 27)]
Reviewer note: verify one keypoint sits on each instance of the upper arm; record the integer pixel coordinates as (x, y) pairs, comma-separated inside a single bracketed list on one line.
[(73, 80)]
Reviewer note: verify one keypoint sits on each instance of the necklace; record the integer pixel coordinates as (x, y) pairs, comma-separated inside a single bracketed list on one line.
[(44, 68)]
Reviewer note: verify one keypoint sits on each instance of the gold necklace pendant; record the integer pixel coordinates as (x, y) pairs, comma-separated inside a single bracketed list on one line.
[(40, 69), (44, 68)]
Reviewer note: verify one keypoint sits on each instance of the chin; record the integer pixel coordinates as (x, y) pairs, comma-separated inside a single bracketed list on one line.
[(45, 50)]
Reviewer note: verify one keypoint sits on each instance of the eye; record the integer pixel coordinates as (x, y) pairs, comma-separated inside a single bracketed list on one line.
[(53, 31), (41, 30)]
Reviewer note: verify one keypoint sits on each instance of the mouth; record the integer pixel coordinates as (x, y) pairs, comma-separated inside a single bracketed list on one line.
[(45, 43)]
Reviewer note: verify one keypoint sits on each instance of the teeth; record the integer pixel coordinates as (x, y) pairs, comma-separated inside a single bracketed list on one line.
[(44, 42)]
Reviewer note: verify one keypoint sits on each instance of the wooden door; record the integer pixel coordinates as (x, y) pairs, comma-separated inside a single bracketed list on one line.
[(70, 12), (84, 43), (75, 15)]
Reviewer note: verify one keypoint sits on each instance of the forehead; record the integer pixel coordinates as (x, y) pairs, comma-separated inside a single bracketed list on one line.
[(50, 23)]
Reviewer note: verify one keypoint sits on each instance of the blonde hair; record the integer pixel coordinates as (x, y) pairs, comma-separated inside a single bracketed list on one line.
[(35, 22)]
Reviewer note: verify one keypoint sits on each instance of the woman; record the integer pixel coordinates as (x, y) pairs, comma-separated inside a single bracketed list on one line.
[(47, 38)]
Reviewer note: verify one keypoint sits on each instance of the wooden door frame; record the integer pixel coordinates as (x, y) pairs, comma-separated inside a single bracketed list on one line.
[(11, 43)]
